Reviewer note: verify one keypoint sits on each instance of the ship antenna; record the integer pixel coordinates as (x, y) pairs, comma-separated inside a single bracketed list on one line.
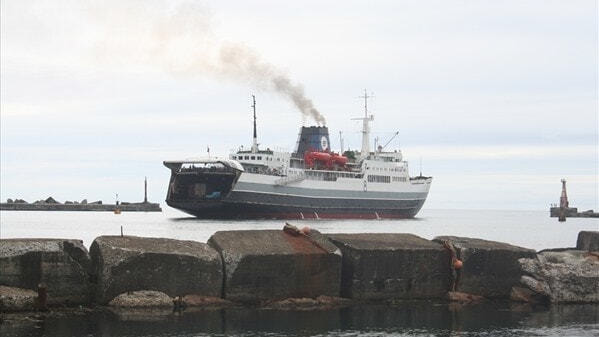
[(421, 166), (366, 97), (365, 152), (255, 140)]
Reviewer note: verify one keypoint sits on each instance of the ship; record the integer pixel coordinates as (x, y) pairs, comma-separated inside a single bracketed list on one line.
[(312, 182)]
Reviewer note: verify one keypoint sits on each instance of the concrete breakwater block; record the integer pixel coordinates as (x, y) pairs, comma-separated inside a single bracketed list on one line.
[(392, 266), (570, 276), (588, 240), (62, 266), (17, 299), (128, 263), (490, 268), (262, 265)]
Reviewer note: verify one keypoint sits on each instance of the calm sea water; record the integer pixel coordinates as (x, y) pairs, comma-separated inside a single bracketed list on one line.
[(409, 319), (531, 229)]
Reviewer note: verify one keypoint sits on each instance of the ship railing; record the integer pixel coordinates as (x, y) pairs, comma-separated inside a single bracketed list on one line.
[(290, 179)]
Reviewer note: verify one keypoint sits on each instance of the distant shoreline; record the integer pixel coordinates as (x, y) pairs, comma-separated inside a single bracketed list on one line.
[(128, 207)]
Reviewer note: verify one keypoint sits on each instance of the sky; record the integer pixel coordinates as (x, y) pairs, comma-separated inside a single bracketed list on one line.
[(497, 100)]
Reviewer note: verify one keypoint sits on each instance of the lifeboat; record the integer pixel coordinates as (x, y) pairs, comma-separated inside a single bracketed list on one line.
[(338, 159), (315, 159)]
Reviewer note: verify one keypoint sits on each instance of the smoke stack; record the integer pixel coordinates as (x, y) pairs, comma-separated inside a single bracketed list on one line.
[(312, 138)]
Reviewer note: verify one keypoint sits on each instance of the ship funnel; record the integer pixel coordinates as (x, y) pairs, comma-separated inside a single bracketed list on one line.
[(312, 138)]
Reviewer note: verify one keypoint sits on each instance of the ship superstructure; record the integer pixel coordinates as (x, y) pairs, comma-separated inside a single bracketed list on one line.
[(311, 182)]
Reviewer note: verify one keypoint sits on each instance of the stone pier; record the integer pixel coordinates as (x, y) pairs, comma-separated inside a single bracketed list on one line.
[(276, 268)]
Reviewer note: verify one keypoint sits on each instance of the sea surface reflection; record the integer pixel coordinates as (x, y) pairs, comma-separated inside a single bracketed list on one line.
[(405, 319)]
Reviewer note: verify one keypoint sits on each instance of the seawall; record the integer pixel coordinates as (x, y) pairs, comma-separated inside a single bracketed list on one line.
[(93, 207), (290, 269)]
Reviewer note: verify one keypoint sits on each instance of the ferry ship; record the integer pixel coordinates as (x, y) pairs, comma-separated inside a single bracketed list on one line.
[(313, 182)]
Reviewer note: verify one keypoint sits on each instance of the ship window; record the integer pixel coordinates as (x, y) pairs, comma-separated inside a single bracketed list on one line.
[(259, 157), (253, 158), (378, 179), (247, 157)]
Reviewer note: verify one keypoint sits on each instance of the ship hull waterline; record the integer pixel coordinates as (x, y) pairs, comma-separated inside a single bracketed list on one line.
[(248, 210)]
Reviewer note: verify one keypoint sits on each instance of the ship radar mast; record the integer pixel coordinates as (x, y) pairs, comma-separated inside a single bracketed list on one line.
[(255, 140), (365, 127)]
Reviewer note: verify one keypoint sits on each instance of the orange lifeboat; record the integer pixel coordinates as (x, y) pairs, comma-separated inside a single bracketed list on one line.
[(338, 159), (328, 160), (315, 159)]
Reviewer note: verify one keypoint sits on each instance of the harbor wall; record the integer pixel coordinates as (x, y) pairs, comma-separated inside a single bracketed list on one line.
[(276, 268), (89, 207)]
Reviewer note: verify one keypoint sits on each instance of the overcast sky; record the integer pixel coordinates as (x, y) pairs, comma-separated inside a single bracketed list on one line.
[(498, 98)]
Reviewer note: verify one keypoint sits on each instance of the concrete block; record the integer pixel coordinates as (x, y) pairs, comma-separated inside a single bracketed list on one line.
[(17, 299), (490, 268), (177, 268), (588, 240), (62, 265), (392, 266), (262, 265)]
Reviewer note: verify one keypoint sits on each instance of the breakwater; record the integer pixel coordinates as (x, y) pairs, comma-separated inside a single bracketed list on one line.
[(276, 268), (76, 207)]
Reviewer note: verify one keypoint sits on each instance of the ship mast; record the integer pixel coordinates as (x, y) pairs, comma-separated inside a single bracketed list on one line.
[(365, 127), (255, 140)]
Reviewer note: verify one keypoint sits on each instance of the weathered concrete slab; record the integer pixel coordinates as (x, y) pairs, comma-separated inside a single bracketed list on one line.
[(392, 266), (588, 240), (570, 276), (265, 265), (62, 265), (490, 268), (17, 299), (142, 299), (177, 268)]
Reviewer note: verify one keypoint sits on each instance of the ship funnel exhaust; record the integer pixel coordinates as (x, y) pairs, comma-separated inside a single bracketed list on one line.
[(312, 138)]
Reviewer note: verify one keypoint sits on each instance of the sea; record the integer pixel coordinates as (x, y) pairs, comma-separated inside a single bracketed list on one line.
[(530, 229)]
